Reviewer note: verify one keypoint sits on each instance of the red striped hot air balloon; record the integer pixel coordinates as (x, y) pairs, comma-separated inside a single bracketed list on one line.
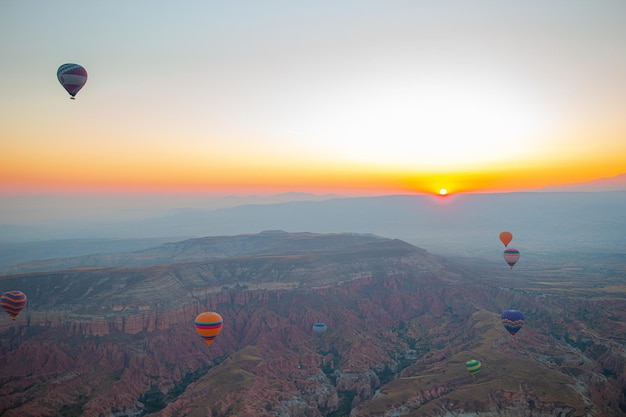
[(511, 256), (208, 326), (13, 302), (72, 77)]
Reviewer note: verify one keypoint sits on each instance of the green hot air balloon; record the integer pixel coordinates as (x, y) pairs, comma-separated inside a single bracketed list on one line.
[(473, 366)]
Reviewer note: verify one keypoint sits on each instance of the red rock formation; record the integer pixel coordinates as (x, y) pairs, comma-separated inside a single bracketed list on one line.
[(120, 341)]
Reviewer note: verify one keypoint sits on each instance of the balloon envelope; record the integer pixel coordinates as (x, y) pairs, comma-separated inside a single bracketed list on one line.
[(13, 302), (72, 77), (473, 366), (319, 328), (208, 325), (511, 256), (512, 320), (506, 238)]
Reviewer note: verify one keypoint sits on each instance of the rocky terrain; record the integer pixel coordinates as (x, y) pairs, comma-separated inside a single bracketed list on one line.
[(117, 339)]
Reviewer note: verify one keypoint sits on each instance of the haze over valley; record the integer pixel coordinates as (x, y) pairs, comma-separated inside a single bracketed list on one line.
[(543, 223)]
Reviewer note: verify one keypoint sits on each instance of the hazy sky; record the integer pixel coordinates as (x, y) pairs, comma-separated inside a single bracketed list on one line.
[(346, 97)]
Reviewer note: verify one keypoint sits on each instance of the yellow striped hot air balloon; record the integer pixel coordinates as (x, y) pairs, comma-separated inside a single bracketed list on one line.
[(208, 325), (473, 366)]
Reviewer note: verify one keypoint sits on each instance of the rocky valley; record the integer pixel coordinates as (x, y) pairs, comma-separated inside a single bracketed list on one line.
[(113, 335)]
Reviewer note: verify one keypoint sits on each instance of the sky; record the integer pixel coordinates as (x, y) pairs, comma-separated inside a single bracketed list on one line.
[(354, 97)]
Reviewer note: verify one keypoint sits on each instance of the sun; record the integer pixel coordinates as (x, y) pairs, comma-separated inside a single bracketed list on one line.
[(443, 191)]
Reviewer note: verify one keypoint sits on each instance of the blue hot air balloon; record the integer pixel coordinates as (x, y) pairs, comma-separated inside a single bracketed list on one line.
[(512, 320), (319, 328)]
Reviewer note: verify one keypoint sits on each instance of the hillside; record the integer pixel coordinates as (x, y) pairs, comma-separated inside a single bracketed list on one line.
[(265, 243), (24, 252), (119, 340)]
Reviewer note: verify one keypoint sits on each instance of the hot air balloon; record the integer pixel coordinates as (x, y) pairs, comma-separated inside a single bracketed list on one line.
[(319, 328), (512, 320), (208, 326), (506, 238), (473, 366), (72, 77), (511, 256), (13, 302)]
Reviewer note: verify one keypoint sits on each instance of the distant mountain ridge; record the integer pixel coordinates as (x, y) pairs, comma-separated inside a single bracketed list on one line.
[(120, 216), (466, 224), (616, 183)]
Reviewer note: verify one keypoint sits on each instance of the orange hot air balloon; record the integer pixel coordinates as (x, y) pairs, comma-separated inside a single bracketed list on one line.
[(506, 238), (208, 326)]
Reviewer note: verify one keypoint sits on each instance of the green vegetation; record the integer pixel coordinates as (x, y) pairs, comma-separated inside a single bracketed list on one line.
[(331, 366), (187, 379), (345, 404), (74, 410), (386, 375), (153, 400)]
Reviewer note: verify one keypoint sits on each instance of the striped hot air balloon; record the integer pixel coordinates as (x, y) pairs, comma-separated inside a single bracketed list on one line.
[(511, 256), (13, 302), (208, 326), (512, 320), (473, 366), (72, 77)]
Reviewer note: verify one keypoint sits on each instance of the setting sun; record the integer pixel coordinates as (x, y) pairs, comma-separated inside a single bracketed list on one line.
[(443, 191)]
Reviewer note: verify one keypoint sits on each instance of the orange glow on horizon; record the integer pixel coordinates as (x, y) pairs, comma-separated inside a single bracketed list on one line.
[(28, 170), (269, 180)]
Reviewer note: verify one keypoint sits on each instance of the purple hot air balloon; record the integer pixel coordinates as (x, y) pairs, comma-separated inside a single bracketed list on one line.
[(512, 320)]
